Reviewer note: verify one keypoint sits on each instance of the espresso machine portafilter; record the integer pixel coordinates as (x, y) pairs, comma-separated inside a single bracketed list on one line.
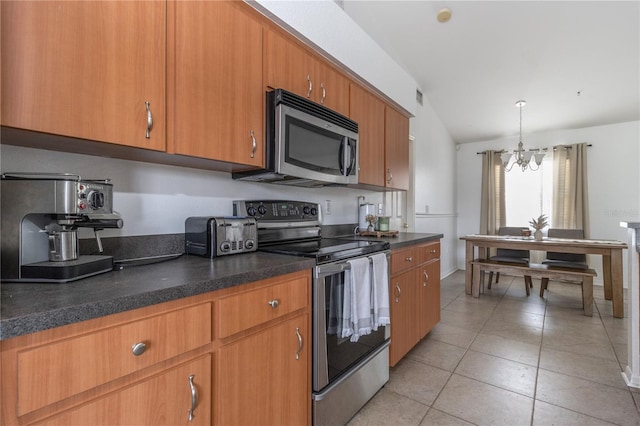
[(40, 217)]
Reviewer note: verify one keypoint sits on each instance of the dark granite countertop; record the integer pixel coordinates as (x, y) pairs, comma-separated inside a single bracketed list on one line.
[(636, 227), (28, 308)]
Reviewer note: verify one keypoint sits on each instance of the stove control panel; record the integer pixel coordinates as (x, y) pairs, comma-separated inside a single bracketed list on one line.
[(278, 210)]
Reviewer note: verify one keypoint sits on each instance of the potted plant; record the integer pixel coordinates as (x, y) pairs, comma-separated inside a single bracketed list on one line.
[(538, 225)]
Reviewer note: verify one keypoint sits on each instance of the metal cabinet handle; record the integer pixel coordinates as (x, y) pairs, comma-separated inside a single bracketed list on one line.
[(310, 86), (254, 145), (408, 259), (433, 251), (399, 293), (300, 343), (390, 176), (324, 93), (194, 398), (149, 120), (426, 278), (274, 303), (138, 348)]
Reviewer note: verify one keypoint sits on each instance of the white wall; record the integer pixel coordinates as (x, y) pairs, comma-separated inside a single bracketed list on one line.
[(156, 199), (434, 159), (612, 172)]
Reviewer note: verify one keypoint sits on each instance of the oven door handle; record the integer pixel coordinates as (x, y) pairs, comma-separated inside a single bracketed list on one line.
[(336, 268), (332, 268)]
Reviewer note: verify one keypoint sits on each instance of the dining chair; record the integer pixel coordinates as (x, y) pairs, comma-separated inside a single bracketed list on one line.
[(563, 260), (511, 255)]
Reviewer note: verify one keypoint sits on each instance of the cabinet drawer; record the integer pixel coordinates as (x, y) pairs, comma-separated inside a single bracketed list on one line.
[(427, 252), (403, 259), (55, 371), (242, 311)]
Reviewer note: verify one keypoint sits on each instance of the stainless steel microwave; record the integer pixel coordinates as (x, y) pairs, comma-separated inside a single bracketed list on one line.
[(307, 144)]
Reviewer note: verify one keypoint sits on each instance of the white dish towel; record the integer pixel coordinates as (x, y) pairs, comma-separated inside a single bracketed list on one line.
[(360, 297), (380, 290)]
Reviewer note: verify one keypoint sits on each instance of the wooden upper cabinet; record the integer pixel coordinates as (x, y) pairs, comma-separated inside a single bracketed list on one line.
[(368, 112), (331, 88), (290, 66), (217, 83), (85, 69), (396, 150)]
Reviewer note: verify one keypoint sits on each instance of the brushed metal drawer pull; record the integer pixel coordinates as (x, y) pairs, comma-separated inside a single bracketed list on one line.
[(409, 259), (254, 145), (434, 251), (149, 119), (194, 398), (399, 293), (390, 176), (274, 303), (324, 93), (300, 343), (426, 278), (310, 85), (138, 348)]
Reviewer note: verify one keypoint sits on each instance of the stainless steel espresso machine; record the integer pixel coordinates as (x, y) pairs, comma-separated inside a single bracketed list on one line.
[(41, 214)]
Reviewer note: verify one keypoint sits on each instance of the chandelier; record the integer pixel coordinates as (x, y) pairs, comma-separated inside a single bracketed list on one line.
[(521, 157)]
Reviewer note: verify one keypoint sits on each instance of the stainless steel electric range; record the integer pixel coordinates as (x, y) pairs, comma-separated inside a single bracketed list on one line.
[(345, 374)]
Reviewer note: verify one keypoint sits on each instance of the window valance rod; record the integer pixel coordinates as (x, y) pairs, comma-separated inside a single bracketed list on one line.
[(555, 148)]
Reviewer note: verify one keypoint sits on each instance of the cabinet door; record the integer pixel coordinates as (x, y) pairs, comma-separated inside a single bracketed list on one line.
[(287, 66), (368, 112), (85, 69), (219, 101), (396, 150), (404, 315), (429, 312), (331, 88), (264, 379), (165, 399)]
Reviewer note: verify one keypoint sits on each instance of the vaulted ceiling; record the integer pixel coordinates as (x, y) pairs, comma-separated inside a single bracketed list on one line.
[(576, 63)]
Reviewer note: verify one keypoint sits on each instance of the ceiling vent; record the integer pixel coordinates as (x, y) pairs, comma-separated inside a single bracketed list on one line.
[(419, 96)]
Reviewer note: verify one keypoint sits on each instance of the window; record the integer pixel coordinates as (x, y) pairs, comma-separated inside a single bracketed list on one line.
[(529, 194)]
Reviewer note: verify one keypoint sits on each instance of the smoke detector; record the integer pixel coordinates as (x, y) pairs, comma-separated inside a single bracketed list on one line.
[(444, 15)]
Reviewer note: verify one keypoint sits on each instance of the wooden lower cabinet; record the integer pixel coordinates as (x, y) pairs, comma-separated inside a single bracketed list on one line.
[(264, 379), (404, 315), (96, 372), (165, 399), (415, 296), (429, 315)]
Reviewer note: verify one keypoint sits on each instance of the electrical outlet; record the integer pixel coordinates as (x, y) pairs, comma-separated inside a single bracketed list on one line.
[(327, 207)]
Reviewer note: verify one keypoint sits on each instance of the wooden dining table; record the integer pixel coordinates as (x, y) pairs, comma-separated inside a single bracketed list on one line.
[(610, 250)]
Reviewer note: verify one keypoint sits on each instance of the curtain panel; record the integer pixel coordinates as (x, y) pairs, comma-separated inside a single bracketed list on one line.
[(492, 200), (570, 188)]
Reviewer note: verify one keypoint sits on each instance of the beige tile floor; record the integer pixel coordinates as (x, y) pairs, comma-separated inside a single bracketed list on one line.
[(509, 359)]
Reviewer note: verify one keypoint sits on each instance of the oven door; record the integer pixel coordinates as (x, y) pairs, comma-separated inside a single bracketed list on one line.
[(334, 357)]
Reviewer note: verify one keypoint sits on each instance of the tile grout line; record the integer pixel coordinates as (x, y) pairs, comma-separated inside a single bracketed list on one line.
[(462, 294), (535, 388)]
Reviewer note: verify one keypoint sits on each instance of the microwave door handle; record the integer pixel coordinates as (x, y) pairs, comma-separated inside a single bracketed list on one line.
[(352, 157), (341, 155)]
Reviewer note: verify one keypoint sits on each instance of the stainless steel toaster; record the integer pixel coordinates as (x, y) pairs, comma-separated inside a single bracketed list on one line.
[(220, 236)]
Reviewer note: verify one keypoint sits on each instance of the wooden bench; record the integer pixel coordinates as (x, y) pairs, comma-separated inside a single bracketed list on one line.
[(544, 272)]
